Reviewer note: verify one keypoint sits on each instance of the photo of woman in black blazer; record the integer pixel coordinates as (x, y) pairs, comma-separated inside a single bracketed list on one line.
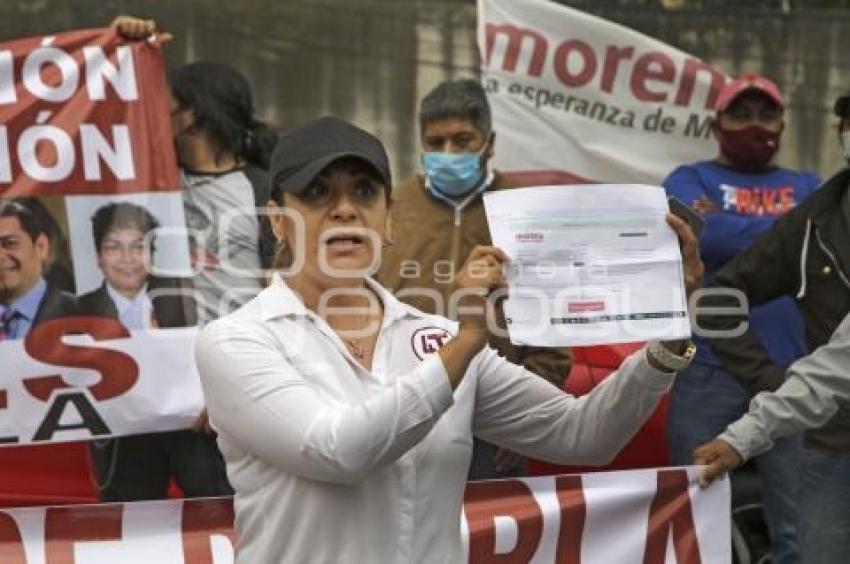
[(124, 236)]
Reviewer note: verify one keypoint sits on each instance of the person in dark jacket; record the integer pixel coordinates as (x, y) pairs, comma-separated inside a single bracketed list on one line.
[(141, 466), (806, 255), (740, 194), (438, 217)]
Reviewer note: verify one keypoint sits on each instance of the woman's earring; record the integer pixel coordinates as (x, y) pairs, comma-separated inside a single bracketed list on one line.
[(282, 257)]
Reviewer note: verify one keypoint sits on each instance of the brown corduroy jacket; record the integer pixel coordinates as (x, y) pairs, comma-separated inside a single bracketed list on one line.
[(432, 241)]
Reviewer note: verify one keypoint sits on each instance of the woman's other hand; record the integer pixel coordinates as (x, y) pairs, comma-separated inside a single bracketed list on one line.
[(692, 266), (478, 278)]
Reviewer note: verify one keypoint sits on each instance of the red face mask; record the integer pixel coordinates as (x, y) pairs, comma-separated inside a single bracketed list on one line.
[(751, 148)]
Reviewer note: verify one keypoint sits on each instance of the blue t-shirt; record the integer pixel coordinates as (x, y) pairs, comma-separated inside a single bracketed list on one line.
[(748, 205)]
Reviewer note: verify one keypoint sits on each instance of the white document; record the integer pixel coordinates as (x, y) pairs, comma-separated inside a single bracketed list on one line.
[(590, 264)]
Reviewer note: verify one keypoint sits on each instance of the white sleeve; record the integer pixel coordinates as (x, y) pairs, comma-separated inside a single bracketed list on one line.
[(258, 400), (519, 410), (817, 385)]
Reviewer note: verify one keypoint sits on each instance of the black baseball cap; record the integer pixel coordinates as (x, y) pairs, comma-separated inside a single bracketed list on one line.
[(302, 154), (842, 106)]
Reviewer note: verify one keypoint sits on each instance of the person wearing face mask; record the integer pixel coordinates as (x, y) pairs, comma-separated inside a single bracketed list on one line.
[(223, 152), (740, 194), (438, 218), (805, 255)]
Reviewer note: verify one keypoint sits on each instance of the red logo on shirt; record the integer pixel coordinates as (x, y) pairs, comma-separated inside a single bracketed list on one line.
[(756, 200), (428, 340)]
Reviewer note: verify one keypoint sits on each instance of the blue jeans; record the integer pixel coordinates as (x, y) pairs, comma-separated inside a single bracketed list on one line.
[(824, 507), (705, 399)]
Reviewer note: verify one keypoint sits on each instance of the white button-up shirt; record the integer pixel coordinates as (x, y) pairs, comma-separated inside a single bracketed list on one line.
[(133, 313), (334, 463)]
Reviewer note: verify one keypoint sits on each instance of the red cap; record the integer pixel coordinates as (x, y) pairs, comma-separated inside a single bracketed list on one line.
[(744, 83)]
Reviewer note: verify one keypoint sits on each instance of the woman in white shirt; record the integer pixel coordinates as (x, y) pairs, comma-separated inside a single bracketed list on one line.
[(346, 417)]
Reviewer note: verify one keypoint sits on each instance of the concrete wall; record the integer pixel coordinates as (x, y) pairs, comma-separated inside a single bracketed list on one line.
[(370, 61)]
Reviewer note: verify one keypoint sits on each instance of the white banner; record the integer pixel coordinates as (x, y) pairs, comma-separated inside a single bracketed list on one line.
[(576, 97), (640, 516), (58, 385)]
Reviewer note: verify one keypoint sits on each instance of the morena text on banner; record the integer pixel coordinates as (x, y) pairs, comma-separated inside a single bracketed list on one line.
[(653, 76)]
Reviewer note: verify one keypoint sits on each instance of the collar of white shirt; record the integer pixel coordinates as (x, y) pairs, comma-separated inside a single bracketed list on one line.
[(141, 304), (279, 300)]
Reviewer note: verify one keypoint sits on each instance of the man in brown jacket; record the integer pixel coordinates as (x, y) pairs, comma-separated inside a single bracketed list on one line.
[(438, 217)]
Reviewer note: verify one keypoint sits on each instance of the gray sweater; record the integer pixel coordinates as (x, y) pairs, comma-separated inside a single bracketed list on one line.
[(816, 386), (222, 220)]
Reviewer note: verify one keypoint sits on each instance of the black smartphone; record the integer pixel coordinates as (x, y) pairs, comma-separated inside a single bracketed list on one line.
[(683, 211)]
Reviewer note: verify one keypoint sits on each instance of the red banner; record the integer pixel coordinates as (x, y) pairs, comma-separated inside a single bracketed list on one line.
[(79, 116), (85, 140)]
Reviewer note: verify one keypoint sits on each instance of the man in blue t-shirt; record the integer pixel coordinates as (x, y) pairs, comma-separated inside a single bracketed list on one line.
[(740, 194)]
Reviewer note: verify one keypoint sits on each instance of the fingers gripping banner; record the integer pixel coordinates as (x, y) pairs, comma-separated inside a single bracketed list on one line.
[(641, 517), (578, 98)]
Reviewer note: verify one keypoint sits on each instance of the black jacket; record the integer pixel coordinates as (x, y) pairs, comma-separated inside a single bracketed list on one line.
[(54, 305), (173, 304), (806, 254)]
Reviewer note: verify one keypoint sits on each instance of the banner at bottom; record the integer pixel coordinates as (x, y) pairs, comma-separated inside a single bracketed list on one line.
[(642, 516)]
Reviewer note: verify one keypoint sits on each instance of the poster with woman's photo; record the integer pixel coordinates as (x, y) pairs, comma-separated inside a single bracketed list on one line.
[(97, 308), (131, 259)]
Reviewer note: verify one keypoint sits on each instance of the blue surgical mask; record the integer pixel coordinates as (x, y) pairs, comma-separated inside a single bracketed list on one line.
[(453, 174)]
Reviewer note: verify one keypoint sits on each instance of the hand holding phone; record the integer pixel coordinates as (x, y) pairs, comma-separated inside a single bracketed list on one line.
[(680, 209)]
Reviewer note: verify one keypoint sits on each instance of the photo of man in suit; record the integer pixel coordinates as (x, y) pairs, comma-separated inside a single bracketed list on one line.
[(26, 298), (56, 268), (124, 241)]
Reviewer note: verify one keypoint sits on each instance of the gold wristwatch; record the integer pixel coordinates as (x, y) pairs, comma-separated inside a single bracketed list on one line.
[(670, 361)]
